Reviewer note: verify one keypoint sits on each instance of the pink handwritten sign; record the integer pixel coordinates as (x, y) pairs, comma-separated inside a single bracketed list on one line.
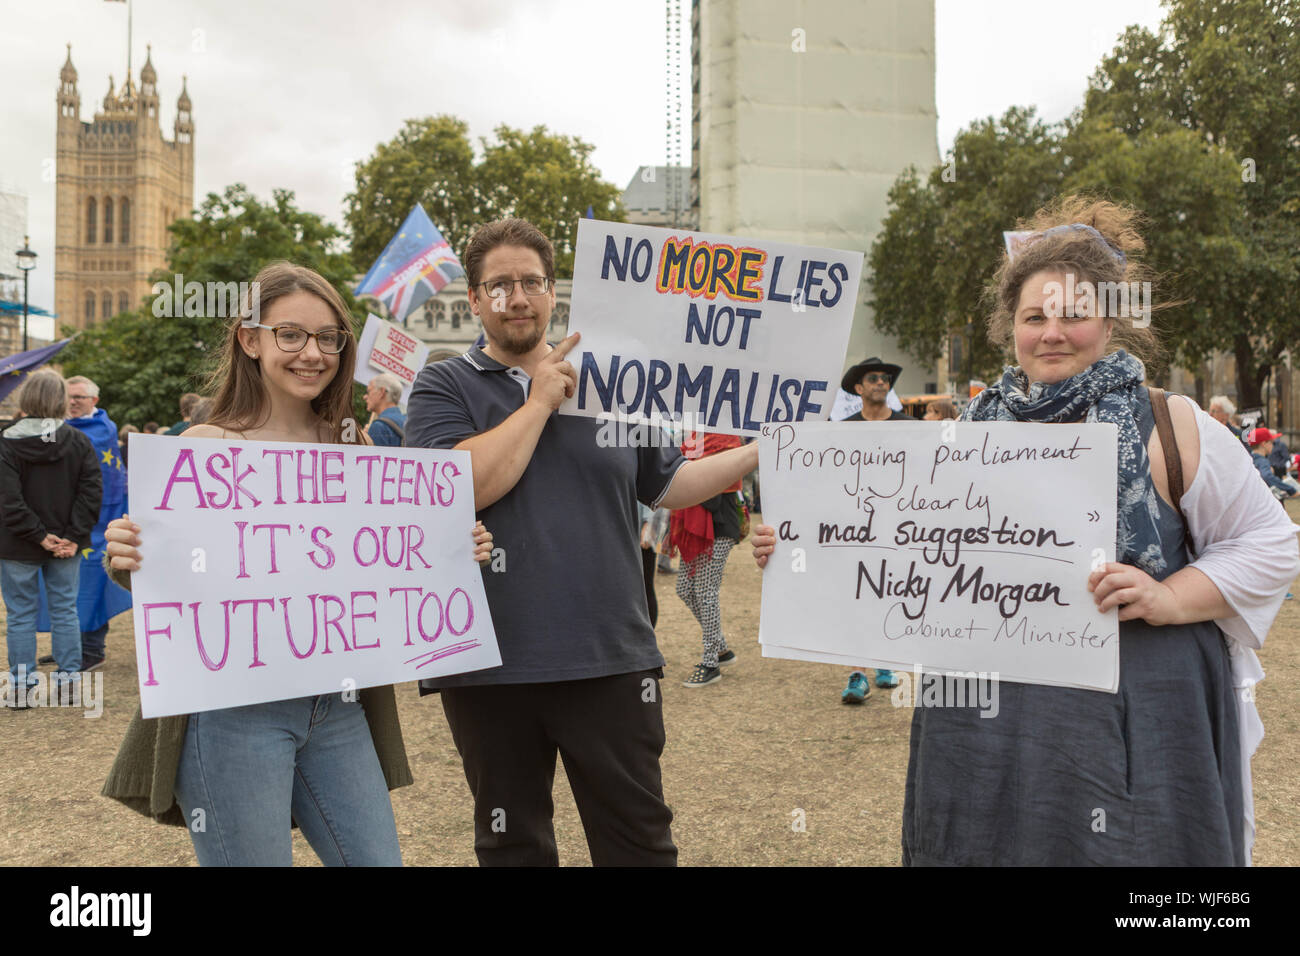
[(274, 570)]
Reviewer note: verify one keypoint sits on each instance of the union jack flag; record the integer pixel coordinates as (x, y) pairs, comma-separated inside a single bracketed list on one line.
[(415, 264)]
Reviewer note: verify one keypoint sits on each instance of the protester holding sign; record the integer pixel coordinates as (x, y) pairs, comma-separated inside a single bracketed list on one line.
[(1158, 773), (238, 777), (579, 660)]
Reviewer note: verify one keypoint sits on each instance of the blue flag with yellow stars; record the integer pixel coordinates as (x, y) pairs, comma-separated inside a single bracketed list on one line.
[(98, 598), (415, 264), (15, 368)]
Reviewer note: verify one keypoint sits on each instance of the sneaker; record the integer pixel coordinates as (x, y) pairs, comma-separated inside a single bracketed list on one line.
[(702, 675), (726, 657), (92, 663), (858, 689), (886, 678), (47, 659)]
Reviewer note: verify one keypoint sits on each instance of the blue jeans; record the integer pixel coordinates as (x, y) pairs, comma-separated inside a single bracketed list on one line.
[(251, 770), (19, 581)]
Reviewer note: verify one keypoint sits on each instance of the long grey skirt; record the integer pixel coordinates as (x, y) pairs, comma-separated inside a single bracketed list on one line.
[(1148, 776)]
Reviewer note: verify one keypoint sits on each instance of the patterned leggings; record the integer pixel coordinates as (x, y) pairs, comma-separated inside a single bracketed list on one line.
[(700, 592)]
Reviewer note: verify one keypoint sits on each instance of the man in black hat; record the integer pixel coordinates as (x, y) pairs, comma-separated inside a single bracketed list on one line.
[(872, 379)]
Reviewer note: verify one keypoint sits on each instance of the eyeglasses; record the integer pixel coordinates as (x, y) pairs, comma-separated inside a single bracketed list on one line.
[(79, 398), (504, 288), (290, 338), (872, 378)]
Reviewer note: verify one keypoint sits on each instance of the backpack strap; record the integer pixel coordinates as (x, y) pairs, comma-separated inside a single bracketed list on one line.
[(1173, 458), (401, 432)]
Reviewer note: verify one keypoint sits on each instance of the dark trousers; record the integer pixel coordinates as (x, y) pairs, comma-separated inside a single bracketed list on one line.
[(610, 733), (648, 558)]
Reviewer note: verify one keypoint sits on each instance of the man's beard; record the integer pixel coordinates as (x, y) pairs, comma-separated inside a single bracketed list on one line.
[(516, 344)]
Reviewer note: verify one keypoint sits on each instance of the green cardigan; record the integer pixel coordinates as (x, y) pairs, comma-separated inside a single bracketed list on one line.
[(144, 774)]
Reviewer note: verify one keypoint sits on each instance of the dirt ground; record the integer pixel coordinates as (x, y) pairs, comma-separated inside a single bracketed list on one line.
[(744, 755)]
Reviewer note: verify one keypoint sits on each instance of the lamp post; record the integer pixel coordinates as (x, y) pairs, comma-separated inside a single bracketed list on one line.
[(26, 262)]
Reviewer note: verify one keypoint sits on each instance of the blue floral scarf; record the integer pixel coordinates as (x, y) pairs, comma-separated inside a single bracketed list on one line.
[(1110, 390)]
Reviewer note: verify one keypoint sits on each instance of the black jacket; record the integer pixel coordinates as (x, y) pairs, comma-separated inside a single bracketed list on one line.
[(49, 484), (725, 509)]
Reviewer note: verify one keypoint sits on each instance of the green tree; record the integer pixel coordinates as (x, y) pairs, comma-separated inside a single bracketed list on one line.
[(430, 162), (1227, 72), (544, 177), (547, 179), (144, 361), (940, 242), (1191, 205), (1195, 126)]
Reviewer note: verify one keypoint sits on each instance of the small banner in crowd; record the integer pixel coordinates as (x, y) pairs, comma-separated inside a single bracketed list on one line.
[(273, 570), (712, 332), (945, 546), (385, 347)]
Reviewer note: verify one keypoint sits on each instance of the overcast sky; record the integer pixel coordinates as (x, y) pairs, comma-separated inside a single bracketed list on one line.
[(291, 93)]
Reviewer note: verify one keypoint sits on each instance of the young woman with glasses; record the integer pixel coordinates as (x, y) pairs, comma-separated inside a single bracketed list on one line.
[(240, 777)]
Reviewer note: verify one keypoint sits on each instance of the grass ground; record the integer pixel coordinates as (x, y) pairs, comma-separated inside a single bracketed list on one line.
[(743, 756)]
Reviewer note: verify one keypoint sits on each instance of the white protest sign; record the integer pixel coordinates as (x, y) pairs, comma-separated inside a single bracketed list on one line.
[(946, 546), (385, 347), (709, 332), (272, 570)]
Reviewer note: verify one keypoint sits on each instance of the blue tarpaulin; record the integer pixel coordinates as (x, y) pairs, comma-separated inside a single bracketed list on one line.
[(17, 308)]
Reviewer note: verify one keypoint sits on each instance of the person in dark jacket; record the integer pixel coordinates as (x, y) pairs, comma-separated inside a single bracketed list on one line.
[(1280, 457), (99, 600), (50, 491)]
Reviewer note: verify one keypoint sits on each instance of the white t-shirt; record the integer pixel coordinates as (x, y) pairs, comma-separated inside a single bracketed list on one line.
[(1246, 544)]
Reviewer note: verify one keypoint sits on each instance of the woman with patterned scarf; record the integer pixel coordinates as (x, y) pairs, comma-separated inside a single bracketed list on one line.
[(705, 535), (1157, 774)]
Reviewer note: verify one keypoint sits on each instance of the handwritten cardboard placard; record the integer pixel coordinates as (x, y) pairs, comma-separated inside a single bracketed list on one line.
[(273, 570), (389, 348), (710, 332), (946, 546)]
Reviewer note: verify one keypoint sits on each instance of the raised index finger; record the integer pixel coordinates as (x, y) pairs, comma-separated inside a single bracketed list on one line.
[(558, 353)]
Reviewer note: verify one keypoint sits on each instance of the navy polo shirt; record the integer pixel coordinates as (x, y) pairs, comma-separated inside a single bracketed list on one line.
[(570, 603)]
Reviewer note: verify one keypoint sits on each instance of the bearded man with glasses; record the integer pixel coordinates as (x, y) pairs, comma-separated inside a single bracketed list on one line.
[(580, 667)]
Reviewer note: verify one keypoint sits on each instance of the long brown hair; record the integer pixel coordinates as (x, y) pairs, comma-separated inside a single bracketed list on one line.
[(239, 401), (1081, 253)]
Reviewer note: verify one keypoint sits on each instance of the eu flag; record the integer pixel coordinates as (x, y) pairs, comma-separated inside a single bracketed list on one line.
[(15, 369), (415, 264)]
